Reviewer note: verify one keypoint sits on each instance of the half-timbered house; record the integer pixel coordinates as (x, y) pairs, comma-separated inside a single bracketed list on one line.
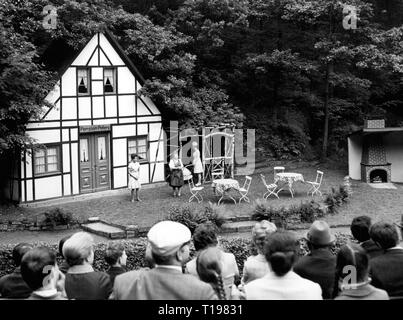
[(97, 119)]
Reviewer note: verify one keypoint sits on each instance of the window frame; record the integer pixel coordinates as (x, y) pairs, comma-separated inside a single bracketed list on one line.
[(142, 137), (114, 79), (58, 158), (88, 93)]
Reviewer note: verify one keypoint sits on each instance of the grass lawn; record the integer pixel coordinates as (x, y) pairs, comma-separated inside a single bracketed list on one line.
[(377, 203)]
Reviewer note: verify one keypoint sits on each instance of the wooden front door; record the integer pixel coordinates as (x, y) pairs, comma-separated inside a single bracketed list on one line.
[(94, 162)]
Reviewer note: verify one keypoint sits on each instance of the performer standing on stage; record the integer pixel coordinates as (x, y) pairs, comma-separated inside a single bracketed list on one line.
[(176, 180), (197, 163)]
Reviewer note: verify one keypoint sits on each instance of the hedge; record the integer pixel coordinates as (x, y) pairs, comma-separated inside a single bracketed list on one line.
[(135, 249)]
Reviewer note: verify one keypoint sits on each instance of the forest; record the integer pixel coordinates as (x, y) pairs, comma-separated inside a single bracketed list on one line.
[(303, 73)]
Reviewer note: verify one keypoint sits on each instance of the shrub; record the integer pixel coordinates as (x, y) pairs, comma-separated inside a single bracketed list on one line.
[(135, 250), (58, 217), (336, 197), (191, 217), (304, 212)]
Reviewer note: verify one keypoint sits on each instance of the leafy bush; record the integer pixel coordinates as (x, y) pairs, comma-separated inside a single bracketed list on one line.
[(304, 212), (135, 250), (58, 217), (191, 218), (264, 211)]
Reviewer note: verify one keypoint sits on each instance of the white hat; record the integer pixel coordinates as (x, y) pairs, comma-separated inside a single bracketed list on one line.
[(166, 237)]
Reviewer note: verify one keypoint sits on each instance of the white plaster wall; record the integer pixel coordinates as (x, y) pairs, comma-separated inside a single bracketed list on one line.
[(142, 109), (97, 87), (69, 108), (124, 130), (98, 107), (126, 81), (84, 107), (150, 105), (144, 178), (394, 154), (354, 157), (119, 147), (74, 168), (67, 185), (127, 105), (30, 191), (97, 73), (45, 136), (85, 54), (110, 52), (120, 177), (48, 187), (110, 106), (159, 174), (69, 82), (66, 158)]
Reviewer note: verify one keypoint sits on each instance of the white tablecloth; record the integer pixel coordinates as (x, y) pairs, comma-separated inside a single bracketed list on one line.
[(289, 177), (222, 185)]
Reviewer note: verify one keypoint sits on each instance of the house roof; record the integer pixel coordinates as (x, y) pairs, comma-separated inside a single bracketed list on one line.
[(65, 63), (366, 131)]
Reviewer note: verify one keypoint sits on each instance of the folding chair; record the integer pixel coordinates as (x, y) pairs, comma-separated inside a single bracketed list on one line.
[(195, 191), (315, 185), (271, 188), (217, 169), (245, 189)]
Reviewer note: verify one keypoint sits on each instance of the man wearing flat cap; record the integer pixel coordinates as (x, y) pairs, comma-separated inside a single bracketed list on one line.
[(320, 264), (169, 242)]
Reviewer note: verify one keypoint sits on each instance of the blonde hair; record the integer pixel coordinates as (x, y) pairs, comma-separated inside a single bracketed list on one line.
[(78, 248)]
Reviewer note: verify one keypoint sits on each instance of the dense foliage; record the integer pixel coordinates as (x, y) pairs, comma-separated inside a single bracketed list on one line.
[(287, 68)]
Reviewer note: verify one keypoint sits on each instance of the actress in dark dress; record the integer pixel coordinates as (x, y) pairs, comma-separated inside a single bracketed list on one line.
[(176, 180)]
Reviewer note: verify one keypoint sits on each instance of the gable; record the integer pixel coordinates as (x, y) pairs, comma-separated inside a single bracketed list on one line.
[(101, 51)]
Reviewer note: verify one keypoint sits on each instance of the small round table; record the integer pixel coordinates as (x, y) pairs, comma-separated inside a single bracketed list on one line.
[(223, 186), (289, 178)]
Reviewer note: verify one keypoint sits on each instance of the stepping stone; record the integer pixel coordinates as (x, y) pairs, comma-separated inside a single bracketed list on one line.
[(105, 230)]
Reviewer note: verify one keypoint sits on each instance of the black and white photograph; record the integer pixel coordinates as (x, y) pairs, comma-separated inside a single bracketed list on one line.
[(200, 154)]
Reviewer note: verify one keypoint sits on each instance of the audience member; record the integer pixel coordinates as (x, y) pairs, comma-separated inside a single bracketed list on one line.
[(116, 257), (205, 236), (82, 282), (63, 266), (386, 269), (209, 268), (319, 265), (352, 269), (169, 243), (281, 250), (39, 270), (256, 267), (12, 286), (360, 230)]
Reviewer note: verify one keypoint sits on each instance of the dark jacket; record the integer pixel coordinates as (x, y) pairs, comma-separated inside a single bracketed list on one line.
[(319, 266), (161, 284), (83, 283), (13, 286), (365, 292), (64, 267), (387, 272), (115, 271), (371, 248)]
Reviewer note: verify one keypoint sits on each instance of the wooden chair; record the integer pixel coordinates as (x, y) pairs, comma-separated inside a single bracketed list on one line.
[(270, 188), (245, 189), (195, 192), (315, 185)]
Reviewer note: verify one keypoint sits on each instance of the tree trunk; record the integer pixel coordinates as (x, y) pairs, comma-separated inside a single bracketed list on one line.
[(326, 111)]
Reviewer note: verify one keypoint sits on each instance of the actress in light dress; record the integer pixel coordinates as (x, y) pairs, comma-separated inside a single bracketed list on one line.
[(197, 163), (134, 177)]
